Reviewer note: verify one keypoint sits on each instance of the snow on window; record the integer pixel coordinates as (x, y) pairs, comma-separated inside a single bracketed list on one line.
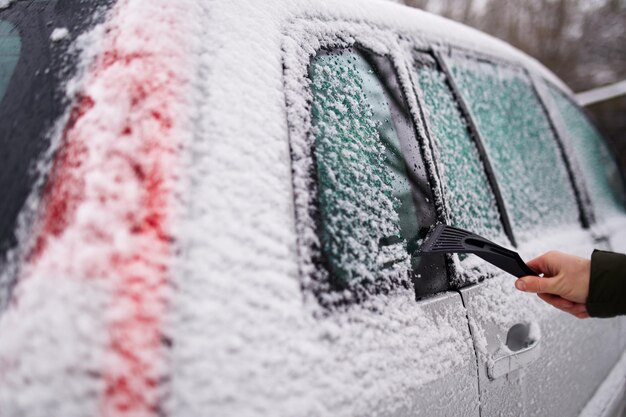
[(602, 175), (520, 144), (468, 193), (367, 213), (59, 34), (5, 3)]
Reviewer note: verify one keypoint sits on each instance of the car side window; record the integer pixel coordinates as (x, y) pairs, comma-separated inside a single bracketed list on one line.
[(468, 192), (520, 143), (375, 203), (604, 180), (10, 46)]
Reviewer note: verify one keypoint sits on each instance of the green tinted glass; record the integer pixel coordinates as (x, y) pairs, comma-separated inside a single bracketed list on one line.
[(368, 217), (468, 193), (10, 46), (602, 175), (520, 144)]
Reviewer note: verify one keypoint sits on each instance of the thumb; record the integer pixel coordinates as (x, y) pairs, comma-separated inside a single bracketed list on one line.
[(536, 284)]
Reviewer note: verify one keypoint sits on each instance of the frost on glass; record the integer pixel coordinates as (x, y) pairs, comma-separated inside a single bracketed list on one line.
[(468, 193), (602, 175), (520, 144), (367, 216)]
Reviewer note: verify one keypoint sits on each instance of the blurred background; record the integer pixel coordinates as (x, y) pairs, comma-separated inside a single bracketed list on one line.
[(582, 41)]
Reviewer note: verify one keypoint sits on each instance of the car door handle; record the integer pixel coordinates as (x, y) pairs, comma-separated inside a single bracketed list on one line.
[(514, 360)]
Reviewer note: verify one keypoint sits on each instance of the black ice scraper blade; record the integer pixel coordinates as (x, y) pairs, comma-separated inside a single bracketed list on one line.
[(448, 239)]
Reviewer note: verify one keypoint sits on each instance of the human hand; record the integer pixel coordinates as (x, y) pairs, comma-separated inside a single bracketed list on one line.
[(565, 284)]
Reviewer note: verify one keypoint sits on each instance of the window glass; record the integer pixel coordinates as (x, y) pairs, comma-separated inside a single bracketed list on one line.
[(10, 46), (370, 223), (520, 144), (468, 193), (602, 175)]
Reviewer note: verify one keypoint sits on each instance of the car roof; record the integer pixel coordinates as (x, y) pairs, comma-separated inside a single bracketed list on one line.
[(385, 14)]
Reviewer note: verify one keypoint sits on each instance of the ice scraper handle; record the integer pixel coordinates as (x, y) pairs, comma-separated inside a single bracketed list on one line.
[(448, 239), (507, 260)]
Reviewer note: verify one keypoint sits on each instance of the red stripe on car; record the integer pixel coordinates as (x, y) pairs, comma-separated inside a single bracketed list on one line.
[(117, 159)]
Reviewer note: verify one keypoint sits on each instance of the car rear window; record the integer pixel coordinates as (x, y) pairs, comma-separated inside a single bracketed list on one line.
[(604, 180), (520, 143), (375, 203)]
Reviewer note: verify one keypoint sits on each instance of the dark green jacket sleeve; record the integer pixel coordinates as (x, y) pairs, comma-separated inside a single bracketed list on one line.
[(607, 284)]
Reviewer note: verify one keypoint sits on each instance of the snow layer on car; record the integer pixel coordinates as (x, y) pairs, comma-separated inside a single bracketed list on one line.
[(238, 336), (59, 34), (5, 3)]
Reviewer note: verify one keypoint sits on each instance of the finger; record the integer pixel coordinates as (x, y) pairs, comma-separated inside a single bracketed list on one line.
[(564, 304), (545, 264), (578, 315), (578, 310), (575, 309), (536, 284), (558, 302), (536, 265)]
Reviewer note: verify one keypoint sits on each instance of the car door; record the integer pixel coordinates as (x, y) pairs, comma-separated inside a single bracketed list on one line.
[(365, 198), (532, 359)]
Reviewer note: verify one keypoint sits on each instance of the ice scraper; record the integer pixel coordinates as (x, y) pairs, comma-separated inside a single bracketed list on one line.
[(448, 239)]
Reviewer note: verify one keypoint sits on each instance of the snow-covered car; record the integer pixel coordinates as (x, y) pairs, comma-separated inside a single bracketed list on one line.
[(214, 208)]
